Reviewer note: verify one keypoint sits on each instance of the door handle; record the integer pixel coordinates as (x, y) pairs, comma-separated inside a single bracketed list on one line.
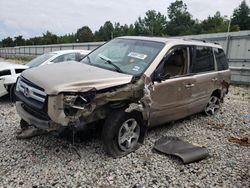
[(214, 79), (189, 85)]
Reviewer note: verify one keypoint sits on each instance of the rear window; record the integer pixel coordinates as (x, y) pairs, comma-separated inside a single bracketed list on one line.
[(18, 71), (203, 60), (5, 72), (220, 59)]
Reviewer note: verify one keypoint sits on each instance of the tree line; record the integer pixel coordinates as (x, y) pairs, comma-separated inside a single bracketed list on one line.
[(177, 22)]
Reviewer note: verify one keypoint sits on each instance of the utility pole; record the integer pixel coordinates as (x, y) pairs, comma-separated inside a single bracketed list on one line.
[(229, 24), (228, 36)]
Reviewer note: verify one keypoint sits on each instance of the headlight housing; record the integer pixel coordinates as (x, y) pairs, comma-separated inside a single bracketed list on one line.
[(18, 84), (79, 100)]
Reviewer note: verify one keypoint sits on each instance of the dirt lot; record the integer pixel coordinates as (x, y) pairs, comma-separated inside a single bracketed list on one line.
[(47, 161)]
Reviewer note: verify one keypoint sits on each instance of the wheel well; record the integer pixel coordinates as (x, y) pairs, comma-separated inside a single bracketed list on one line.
[(8, 87), (217, 93)]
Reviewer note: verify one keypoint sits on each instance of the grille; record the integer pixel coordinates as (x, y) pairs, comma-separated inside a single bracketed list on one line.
[(37, 113), (30, 94), (29, 91)]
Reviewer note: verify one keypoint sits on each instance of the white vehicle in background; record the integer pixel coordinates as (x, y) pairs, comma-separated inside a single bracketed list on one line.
[(8, 75), (57, 57), (9, 71)]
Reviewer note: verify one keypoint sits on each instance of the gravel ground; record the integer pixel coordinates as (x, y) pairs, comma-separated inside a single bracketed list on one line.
[(46, 161)]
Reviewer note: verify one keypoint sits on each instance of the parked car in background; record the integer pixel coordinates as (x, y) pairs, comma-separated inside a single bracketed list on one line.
[(9, 72), (8, 75), (130, 82), (57, 57)]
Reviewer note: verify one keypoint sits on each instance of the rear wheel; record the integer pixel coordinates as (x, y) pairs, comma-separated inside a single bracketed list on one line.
[(213, 106), (122, 133)]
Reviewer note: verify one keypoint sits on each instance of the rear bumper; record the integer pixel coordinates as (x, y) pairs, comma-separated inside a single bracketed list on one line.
[(32, 120)]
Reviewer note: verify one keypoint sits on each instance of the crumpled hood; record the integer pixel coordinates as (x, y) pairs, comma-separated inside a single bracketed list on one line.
[(73, 77)]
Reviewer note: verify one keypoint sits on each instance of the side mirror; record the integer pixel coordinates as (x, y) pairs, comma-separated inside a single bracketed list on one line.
[(161, 76)]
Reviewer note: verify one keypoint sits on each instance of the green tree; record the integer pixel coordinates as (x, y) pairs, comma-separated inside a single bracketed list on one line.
[(35, 41), (49, 38), (180, 20), (68, 38), (85, 34), (118, 30), (214, 24), (19, 41), (139, 27), (217, 24), (105, 33), (154, 23), (123, 30), (241, 16), (7, 42)]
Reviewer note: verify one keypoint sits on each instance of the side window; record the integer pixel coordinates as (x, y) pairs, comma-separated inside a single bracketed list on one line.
[(5, 73), (202, 60), (18, 71), (175, 63), (220, 59), (65, 57)]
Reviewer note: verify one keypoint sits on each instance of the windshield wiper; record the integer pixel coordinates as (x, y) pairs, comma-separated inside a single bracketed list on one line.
[(107, 60)]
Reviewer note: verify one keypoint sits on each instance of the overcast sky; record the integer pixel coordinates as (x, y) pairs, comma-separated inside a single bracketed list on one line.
[(34, 17)]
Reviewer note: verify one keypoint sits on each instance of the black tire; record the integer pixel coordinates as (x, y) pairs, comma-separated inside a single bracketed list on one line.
[(113, 126), (213, 106), (12, 93)]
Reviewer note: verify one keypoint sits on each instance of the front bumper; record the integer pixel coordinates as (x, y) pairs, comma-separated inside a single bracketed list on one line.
[(32, 120)]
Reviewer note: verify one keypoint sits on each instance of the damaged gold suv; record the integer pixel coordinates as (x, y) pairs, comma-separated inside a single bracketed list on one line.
[(130, 82)]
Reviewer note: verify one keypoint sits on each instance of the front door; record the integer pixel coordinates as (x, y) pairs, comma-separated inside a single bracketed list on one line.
[(170, 98)]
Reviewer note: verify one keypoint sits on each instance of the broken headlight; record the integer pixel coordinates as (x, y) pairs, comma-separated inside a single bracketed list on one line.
[(18, 84), (79, 100)]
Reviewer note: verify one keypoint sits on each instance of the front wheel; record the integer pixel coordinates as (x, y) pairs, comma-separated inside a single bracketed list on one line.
[(213, 106), (12, 93), (122, 133)]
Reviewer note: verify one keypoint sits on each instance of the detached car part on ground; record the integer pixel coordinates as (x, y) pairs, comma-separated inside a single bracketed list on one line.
[(9, 72), (130, 82)]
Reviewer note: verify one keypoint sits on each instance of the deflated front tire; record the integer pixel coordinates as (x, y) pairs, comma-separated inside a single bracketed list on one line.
[(122, 133)]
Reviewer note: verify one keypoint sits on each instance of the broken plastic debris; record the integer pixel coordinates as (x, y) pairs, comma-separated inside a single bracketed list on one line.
[(175, 146), (242, 141), (30, 132)]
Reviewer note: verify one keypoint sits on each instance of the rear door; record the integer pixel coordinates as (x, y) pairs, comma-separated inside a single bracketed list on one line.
[(203, 71), (171, 97)]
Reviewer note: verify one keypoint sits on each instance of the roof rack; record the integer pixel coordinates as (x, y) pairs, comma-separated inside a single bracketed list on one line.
[(201, 40)]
